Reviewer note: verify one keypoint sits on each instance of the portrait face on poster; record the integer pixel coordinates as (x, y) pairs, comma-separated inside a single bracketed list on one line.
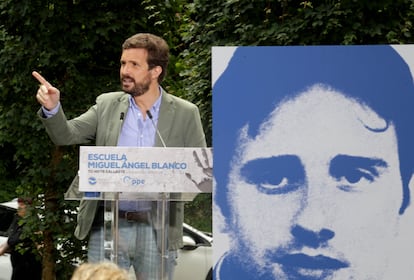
[(313, 161)]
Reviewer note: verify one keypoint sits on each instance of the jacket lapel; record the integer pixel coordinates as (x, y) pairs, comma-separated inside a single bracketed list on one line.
[(119, 112), (165, 118)]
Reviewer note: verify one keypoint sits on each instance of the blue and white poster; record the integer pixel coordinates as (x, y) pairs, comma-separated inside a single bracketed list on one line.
[(313, 162)]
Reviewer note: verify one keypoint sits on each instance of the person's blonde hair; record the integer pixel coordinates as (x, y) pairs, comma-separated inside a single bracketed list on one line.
[(99, 271)]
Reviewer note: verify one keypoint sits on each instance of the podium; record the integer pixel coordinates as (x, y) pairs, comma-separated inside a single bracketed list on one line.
[(124, 180)]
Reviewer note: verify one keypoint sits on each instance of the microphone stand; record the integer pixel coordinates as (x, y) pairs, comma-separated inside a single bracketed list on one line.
[(164, 208)]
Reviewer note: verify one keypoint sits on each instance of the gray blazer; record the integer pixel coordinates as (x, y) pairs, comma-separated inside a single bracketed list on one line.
[(179, 124)]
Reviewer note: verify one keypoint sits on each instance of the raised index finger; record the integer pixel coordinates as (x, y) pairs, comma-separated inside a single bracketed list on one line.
[(42, 80)]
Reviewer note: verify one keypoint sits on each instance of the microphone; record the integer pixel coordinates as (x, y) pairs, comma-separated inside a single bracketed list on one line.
[(156, 129), (121, 116)]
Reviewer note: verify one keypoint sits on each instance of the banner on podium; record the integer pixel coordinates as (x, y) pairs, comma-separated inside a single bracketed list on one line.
[(145, 169)]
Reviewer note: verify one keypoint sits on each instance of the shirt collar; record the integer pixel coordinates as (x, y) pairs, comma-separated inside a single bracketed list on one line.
[(155, 109)]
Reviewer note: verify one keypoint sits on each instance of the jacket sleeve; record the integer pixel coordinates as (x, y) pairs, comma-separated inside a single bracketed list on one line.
[(68, 132)]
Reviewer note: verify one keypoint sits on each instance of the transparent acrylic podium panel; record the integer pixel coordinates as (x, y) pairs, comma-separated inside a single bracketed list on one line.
[(136, 240), (164, 178)]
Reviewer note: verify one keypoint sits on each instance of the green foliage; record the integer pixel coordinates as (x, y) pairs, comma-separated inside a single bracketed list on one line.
[(198, 212)]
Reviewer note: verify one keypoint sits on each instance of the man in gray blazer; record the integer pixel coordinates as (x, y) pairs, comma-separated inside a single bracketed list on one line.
[(128, 118)]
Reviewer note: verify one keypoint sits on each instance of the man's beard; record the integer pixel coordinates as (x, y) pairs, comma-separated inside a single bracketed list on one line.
[(139, 88)]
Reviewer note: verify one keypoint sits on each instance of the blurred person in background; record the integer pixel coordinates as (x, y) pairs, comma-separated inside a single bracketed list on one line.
[(25, 262)]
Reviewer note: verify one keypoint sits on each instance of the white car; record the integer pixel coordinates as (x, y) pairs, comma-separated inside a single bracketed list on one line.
[(194, 259)]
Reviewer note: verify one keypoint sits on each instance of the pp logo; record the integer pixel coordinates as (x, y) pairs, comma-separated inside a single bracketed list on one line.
[(92, 180)]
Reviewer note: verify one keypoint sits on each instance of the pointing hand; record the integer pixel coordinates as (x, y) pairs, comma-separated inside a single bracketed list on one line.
[(47, 95)]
